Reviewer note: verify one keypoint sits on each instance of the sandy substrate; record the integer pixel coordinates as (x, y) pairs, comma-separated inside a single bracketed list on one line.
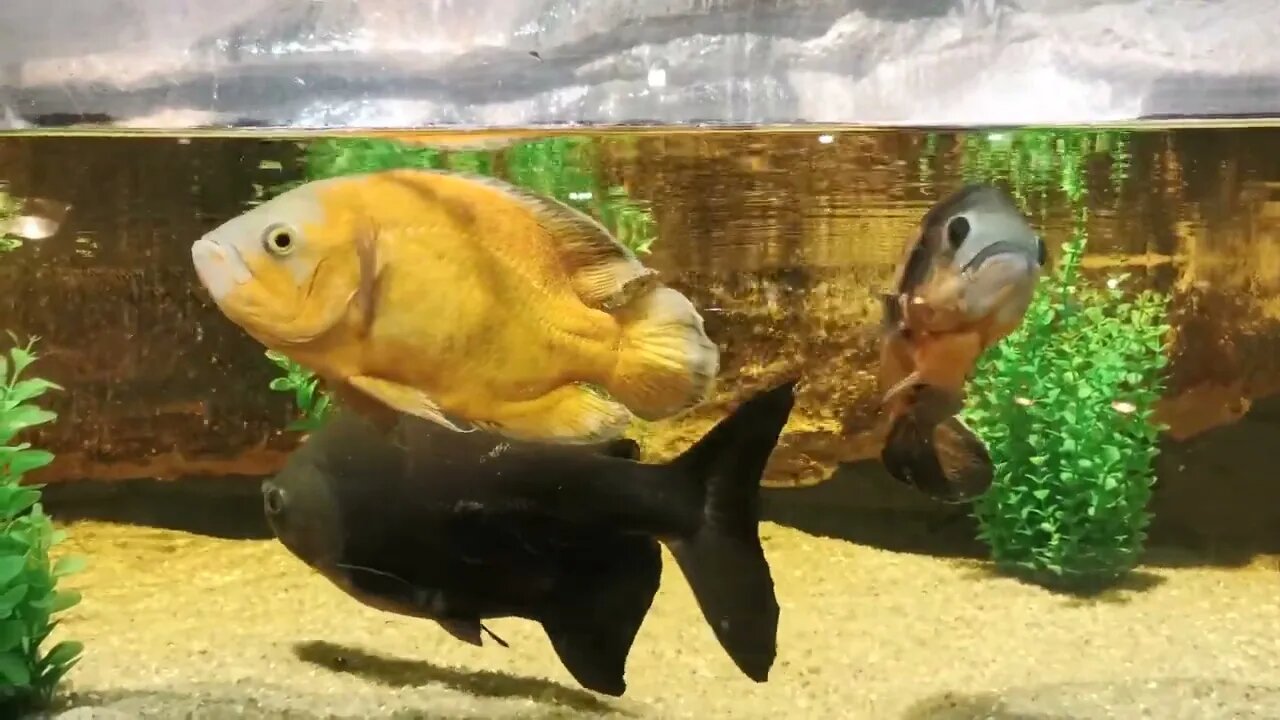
[(183, 626)]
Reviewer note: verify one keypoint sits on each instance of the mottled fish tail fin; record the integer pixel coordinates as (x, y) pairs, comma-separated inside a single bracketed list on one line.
[(666, 362), (723, 560)]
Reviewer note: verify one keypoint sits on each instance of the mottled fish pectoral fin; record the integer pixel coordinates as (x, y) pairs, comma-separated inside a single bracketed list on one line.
[(407, 400), (569, 415), (900, 387)]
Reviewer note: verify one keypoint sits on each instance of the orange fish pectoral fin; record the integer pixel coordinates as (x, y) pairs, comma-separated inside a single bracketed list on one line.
[(408, 400), (370, 264), (568, 415)]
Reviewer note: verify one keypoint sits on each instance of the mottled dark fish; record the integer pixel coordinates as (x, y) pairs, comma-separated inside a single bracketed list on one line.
[(460, 528), (965, 282)]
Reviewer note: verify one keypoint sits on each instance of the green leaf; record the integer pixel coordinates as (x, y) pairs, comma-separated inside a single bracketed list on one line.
[(53, 674), (10, 568), (25, 390), (16, 501), (12, 633), (64, 600), (22, 357), (10, 599), (28, 460), (62, 653), (281, 384), (69, 565), (22, 417), (14, 669)]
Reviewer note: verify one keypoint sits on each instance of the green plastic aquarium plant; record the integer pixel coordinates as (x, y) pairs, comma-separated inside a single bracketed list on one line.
[(1065, 405), (29, 596), (311, 402), (10, 207), (560, 167)]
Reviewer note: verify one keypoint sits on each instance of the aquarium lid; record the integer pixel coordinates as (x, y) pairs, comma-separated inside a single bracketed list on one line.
[(508, 63)]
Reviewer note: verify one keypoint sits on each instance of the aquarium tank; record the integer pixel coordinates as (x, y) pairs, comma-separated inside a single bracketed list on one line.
[(529, 360)]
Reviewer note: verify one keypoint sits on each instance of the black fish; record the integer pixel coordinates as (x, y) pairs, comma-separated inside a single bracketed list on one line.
[(459, 528)]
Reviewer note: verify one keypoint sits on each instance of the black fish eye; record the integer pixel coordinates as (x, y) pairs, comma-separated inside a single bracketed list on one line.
[(278, 240), (957, 231), (274, 499)]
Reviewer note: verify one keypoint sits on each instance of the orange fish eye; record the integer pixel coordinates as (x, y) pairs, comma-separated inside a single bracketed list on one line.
[(279, 240)]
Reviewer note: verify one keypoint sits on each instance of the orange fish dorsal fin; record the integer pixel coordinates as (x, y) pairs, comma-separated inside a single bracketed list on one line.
[(602, 271)]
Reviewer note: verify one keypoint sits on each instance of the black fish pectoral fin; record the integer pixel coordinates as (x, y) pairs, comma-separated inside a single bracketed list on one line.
[(468, 631), (494, 635), (593, 623), (723, 561)]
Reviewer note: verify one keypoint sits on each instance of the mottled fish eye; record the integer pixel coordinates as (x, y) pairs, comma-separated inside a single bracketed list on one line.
[(957, 231), (279, 240)]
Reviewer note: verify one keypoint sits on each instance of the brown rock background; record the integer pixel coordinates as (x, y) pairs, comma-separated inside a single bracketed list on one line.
[(782, 240)]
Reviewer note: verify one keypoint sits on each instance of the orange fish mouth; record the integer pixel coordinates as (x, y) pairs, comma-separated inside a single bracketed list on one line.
[(219, 271)]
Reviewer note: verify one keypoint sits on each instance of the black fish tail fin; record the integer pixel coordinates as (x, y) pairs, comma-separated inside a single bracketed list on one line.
[(592, 624), (723, 560)]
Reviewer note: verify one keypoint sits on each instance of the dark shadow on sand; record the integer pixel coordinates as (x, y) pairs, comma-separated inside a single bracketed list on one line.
[(225, 507), (1216, 503), (113, 704), (1127, 698), (395, 672), (1119, 592)]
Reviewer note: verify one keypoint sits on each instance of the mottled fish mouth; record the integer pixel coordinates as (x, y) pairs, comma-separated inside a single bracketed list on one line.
[(1004, 247), (219, 271)]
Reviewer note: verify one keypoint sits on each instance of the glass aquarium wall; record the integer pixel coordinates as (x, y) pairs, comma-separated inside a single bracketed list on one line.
[(1123, 562), (344, 64)]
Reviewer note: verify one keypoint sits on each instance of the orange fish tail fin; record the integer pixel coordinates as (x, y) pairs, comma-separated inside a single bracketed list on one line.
[(666, 363)]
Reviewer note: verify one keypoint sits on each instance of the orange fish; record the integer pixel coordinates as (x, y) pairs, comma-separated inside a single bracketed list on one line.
[(965, 283), (463, 300)]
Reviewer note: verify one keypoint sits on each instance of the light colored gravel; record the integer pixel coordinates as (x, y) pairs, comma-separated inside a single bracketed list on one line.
[(181, 626)]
